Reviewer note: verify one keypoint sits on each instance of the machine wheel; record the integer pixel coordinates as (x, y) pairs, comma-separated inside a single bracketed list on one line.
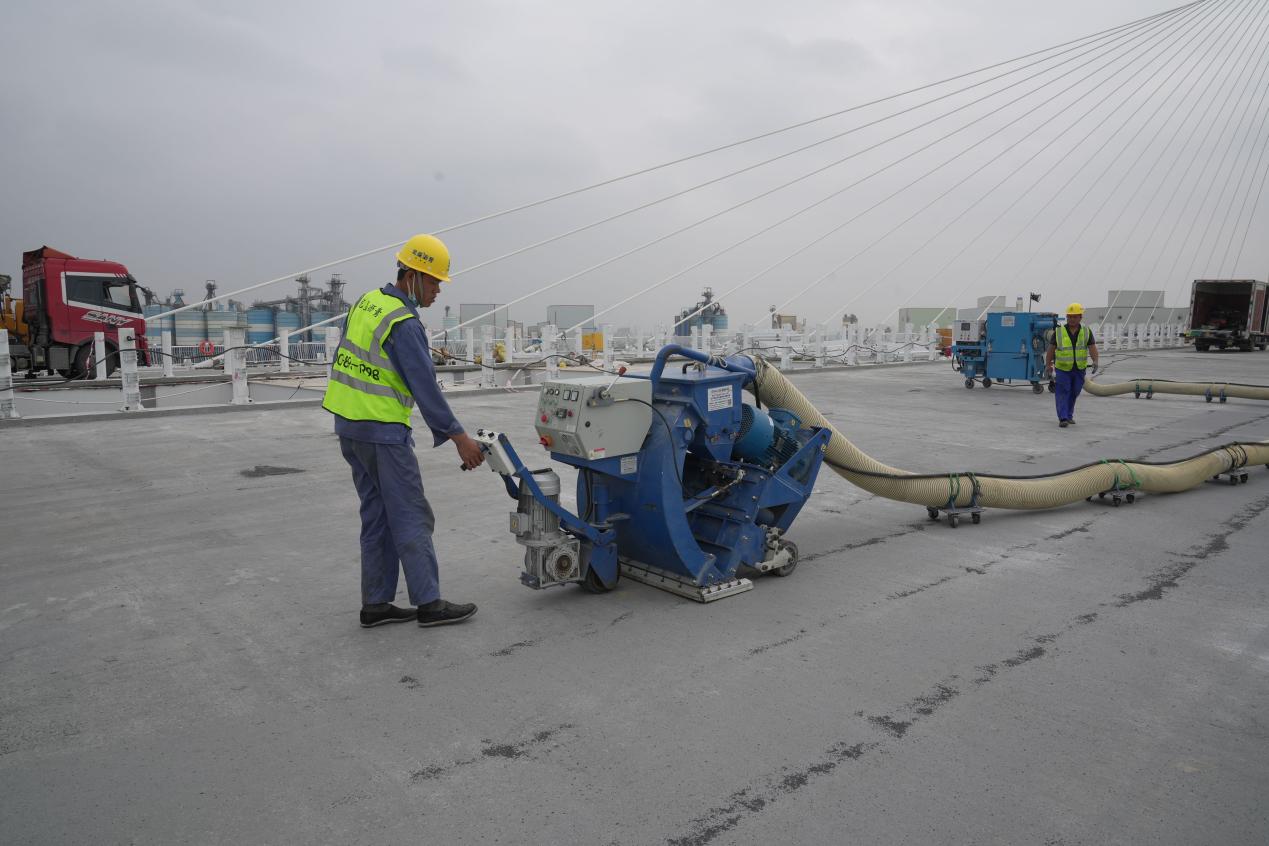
[(1037, 388), (787, 569), (591, 583), (953, 520), (986, 382), (1131, 498), (976, 518), (969, 383), (85, 364), (1243, 478), (933, 512)]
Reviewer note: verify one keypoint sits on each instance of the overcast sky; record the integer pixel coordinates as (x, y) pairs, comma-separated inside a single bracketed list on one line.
[(239, 141)]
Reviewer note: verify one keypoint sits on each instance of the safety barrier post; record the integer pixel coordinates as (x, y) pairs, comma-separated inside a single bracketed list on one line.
[(169, 366), (129, 378), (487, 356), (332, 344), (786, 349), (820, 352), (907, 342), (236, 365), (852, 345), (284, 353), (931, 341), (548, 350), (8, 405), (99, 354), (608, 340)]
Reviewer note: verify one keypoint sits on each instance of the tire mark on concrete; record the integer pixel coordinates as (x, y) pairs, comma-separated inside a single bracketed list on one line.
[(758, 650), (1200, 439), (769, 789), (980, 570), (1167, 578), (1066, 533), (509, 751), (873, 541)]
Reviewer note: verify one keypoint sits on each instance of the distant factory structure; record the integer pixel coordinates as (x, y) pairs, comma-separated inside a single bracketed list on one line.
[(706, 312), (263, 321)]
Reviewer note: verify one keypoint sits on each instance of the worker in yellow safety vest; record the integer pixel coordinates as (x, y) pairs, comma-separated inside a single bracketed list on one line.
[(382, 369), (1069, 353)]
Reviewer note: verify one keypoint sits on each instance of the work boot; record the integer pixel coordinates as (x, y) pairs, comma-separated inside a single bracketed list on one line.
[(377, 615), (1064, 423), (442, 613), (1070, 420)]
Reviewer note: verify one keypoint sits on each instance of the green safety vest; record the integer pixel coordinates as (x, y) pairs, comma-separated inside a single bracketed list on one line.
[(1068, 356), (363, 383)]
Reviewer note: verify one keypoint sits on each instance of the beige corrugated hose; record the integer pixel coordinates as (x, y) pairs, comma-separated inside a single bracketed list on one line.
[(858, 468), (1164, 386)]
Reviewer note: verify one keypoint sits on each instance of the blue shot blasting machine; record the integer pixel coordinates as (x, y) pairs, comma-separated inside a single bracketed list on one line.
[(680, 484)]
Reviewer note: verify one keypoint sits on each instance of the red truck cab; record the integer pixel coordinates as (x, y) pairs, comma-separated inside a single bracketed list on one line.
[(66, 300)]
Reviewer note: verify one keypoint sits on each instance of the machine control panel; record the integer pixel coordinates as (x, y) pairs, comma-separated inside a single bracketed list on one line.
[(594, 417), (969, 331)]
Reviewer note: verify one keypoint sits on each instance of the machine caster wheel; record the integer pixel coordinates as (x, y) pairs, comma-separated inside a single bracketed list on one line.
[(787, 569), (1243, 478), (976, 518), (1037, 388), (1115, 500), (969, 383), (933, 512), (953, 520), (591, 583), (1131, 498), (1209, 397), (986, 382), (1101, 495), (1233, 480)]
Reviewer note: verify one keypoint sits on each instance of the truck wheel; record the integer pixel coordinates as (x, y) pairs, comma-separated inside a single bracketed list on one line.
[(85, 364)]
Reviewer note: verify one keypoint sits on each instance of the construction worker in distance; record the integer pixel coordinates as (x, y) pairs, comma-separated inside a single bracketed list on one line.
[(1069, 352), (382, 368)]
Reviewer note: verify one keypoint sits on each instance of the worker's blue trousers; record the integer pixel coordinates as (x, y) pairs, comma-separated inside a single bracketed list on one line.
[(1068, 387), (396, 522)]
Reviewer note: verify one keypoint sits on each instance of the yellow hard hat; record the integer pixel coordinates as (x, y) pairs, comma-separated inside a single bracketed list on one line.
[(426, 254), (1075, 308)]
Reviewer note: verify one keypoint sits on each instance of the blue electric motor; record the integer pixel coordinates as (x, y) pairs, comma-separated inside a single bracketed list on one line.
[(681, 484), (1006, 346)]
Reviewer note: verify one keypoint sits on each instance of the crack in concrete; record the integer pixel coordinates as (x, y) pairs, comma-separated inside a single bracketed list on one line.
[(758, 650)]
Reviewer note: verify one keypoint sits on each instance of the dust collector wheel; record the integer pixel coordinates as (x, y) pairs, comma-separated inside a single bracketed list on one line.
[(787, 569)]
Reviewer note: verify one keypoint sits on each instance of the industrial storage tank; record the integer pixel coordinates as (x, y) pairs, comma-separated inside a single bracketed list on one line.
[(318, 335), (260, 325), (707, 312), (218, 320), (189, 328), (286, 321), (154, 328)]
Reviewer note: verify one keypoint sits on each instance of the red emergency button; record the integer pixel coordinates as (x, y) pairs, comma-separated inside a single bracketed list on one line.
[(544, 418)]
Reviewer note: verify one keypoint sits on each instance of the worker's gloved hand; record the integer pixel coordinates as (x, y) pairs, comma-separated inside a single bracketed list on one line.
[(469, 450), (1048, 373)]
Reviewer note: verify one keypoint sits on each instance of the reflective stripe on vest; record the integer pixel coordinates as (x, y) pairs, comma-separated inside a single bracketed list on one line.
[(363, 383), (1068, 356)]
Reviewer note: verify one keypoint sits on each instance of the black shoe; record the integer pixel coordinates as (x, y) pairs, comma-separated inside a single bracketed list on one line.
[(1071, 420), (1064, 423), (442, 613), (377, 615)]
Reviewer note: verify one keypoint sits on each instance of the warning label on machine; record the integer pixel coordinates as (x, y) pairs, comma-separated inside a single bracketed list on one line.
[(719, 398)]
